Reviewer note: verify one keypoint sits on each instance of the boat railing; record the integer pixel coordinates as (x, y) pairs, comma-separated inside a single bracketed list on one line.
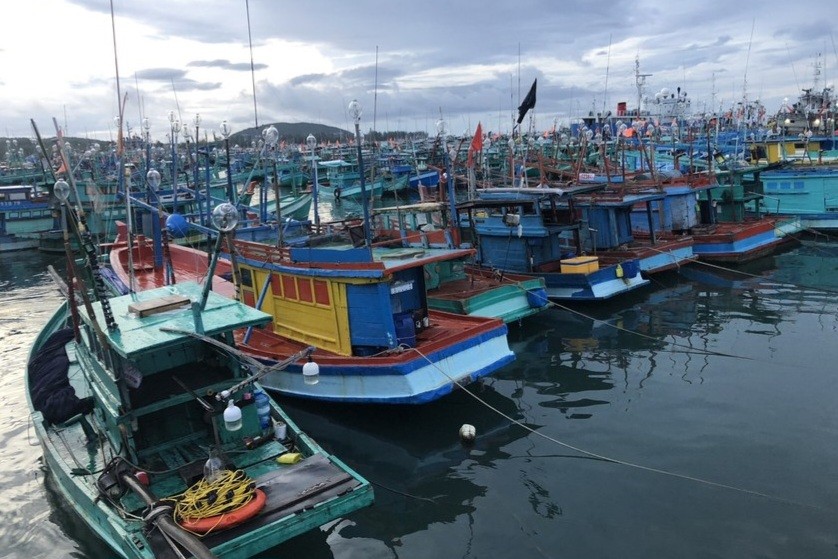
[(263, 252)]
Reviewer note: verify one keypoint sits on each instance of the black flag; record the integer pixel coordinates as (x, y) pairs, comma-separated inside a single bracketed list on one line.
[(528, 103)]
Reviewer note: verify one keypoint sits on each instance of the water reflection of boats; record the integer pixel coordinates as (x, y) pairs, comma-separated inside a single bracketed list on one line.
[(747, 276), (585, 353), (412, 454)]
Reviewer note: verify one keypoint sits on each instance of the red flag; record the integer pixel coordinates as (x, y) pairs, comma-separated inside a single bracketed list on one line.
[(476, 145)]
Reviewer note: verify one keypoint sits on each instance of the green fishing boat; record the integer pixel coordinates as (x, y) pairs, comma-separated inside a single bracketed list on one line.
[(157, 433)]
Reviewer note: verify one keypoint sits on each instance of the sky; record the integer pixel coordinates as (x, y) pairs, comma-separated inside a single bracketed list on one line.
[(407, 63)]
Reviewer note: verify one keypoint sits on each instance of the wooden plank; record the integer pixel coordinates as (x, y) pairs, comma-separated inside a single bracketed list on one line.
[(155, 306)]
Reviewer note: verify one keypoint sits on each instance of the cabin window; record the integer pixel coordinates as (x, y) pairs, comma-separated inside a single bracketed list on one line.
[(304, 290), (247, 277), (321, 293), (289, 287), (276, 285)]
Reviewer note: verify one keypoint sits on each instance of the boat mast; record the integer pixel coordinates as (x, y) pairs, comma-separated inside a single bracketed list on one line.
[(640, 82), (252, 68)]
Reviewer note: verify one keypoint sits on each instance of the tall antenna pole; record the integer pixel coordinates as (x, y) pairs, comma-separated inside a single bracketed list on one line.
[(607, 68), (252, 68), (116, 65), (747, 61), (640, 82), (375, 98)]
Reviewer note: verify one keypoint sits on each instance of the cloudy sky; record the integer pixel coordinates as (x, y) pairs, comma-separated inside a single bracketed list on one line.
[(406, 62)]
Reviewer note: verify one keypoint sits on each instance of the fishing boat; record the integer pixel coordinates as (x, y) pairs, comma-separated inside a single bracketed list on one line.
[(24, 214), (535, 232), (342, 180), (733, 228), (365, 309), (721, 211), (809, 193), (293, 205), (231, 477), (455, 285), (608, 219)]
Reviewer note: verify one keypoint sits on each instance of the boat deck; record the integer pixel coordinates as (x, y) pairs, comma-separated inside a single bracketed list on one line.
[(296, 488), (445, 329)]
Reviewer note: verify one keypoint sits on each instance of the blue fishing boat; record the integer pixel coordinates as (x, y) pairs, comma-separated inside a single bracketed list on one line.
[(232, 477), (455, 285), (341, 179), (716, 211), (364, 308), (24, 214), (535, 232), (809, 193), (607, 216)]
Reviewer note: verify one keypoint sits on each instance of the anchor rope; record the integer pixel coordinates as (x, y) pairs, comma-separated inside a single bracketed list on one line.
[(626, 463)]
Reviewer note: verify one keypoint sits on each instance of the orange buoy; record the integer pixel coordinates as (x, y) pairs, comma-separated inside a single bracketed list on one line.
[(227, 519)]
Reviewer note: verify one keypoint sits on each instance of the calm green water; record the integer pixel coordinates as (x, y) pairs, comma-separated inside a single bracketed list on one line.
[(715, 377)]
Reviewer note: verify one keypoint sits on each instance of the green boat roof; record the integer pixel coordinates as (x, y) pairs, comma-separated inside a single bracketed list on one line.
[(170, 307)]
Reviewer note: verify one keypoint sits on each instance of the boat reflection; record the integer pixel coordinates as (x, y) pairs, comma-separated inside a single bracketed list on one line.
[(413, 455), (575, 356)]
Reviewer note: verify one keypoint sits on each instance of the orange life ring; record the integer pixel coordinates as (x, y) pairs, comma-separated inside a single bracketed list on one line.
[(228, 519)]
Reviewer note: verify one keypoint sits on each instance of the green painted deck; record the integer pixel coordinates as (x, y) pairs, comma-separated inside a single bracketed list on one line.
[(137, 335)]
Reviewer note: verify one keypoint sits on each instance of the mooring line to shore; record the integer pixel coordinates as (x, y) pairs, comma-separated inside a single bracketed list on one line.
[(626, 463)]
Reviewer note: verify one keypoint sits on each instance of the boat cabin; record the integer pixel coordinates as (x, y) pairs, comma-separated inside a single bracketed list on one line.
[(146, 368)]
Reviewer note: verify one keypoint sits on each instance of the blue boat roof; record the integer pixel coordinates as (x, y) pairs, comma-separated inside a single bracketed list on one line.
[(138, 334)]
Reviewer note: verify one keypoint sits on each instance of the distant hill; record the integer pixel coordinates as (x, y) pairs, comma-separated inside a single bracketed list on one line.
[(290, 132), (293, 133)]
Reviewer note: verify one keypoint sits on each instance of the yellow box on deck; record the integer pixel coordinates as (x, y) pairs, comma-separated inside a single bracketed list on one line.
[(580, 265)]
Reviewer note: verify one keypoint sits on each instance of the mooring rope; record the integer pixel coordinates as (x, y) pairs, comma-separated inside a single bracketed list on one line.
[(626, 463)]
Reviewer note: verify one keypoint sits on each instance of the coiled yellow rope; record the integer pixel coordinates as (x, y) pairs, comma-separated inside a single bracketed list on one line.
[(231, 490)]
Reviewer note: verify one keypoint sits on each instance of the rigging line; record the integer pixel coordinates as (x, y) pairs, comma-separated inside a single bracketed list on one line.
[(177, 106), (688, 349), (747, 60), (626, 463), (432, 500), (793, 71)]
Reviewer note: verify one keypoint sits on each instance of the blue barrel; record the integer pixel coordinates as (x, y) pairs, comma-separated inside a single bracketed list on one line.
[(405, 328), (631, 268), (263, 409), (537, 298)]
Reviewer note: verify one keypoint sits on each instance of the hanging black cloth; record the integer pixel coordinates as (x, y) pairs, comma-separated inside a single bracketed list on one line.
[(49, 383)]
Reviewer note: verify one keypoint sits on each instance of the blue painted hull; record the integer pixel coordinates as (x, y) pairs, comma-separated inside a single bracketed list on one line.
[(805, 192), (418, 379), (596, 286)]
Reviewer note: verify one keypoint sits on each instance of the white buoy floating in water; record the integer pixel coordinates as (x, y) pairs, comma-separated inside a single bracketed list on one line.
[(467, 433)]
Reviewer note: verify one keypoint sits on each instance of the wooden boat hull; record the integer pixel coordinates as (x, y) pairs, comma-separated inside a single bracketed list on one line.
[(735, 243), (809, 193), (665, 255), (482, 293)]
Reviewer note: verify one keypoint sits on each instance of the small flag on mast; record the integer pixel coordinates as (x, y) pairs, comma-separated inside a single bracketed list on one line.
[(528, 102), (476, 145)]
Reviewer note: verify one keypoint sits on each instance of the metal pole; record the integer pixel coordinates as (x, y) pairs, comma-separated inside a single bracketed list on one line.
[(367, 239)]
